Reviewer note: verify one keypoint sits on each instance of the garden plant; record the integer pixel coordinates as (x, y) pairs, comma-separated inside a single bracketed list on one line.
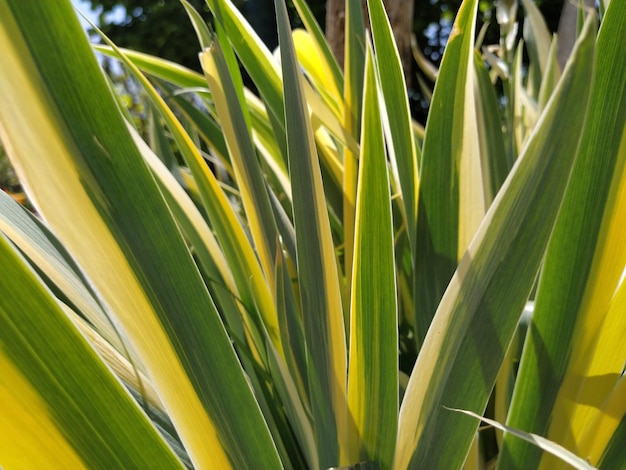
[(238, 282)]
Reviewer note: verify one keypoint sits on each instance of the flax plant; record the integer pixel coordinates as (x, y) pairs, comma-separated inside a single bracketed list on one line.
[(231, 285)]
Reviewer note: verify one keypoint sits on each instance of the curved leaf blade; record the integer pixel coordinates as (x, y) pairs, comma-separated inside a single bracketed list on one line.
[(584, 262), (558, 451), (161, 301), (61, 406), (476, 319)]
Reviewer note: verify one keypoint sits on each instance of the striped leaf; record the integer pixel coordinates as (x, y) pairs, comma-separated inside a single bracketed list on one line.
[(475, 322), (354, 60), (373, 367), (583, 266), (317, 268), (243, 262), (247, 170), (160, 301), (452, 200), (404, 154), (494, 164), (61, 405), (538, 40), (329, 63)]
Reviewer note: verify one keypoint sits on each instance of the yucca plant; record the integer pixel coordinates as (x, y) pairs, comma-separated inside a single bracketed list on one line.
[(232, 288)]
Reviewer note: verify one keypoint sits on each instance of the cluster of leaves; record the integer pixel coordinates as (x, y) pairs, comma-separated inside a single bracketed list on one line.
[(245, 270), (161, 28)]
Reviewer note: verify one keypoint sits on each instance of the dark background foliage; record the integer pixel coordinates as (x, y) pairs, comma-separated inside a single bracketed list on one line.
[(161, 27)]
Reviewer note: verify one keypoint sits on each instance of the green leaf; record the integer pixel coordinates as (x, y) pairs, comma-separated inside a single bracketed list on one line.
[(61, 405), (244, 264), (538, 441), (550, 77), (614, 455), (257, 60), (317, 268), (292, 332), (538, 41), (206, 39), (354, 60), (404, 154), (246, 167), (452, 202), (161, 68), (51, 258), (602, 438), (472, 329), (495, 166), (128, 244), (373, 366), (206, 127), (583, 266), (327, 57), (211, 259)]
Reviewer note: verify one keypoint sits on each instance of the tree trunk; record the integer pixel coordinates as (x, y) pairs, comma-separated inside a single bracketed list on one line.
[(400, 14), (567, 30), (335, 27)]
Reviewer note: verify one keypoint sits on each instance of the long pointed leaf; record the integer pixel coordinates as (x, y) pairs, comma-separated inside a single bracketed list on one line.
[(583, 262), (451, 201), (244, 263), (373, 367), (327, 57), (317, 268), (403, 151), (161, 301), (477, 317), (56, 394), (354, 59), (538, 441), (243, 157)]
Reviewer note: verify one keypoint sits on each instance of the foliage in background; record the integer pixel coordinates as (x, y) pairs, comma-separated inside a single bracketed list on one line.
[(432, 24), (236, 282), (159, 28)]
